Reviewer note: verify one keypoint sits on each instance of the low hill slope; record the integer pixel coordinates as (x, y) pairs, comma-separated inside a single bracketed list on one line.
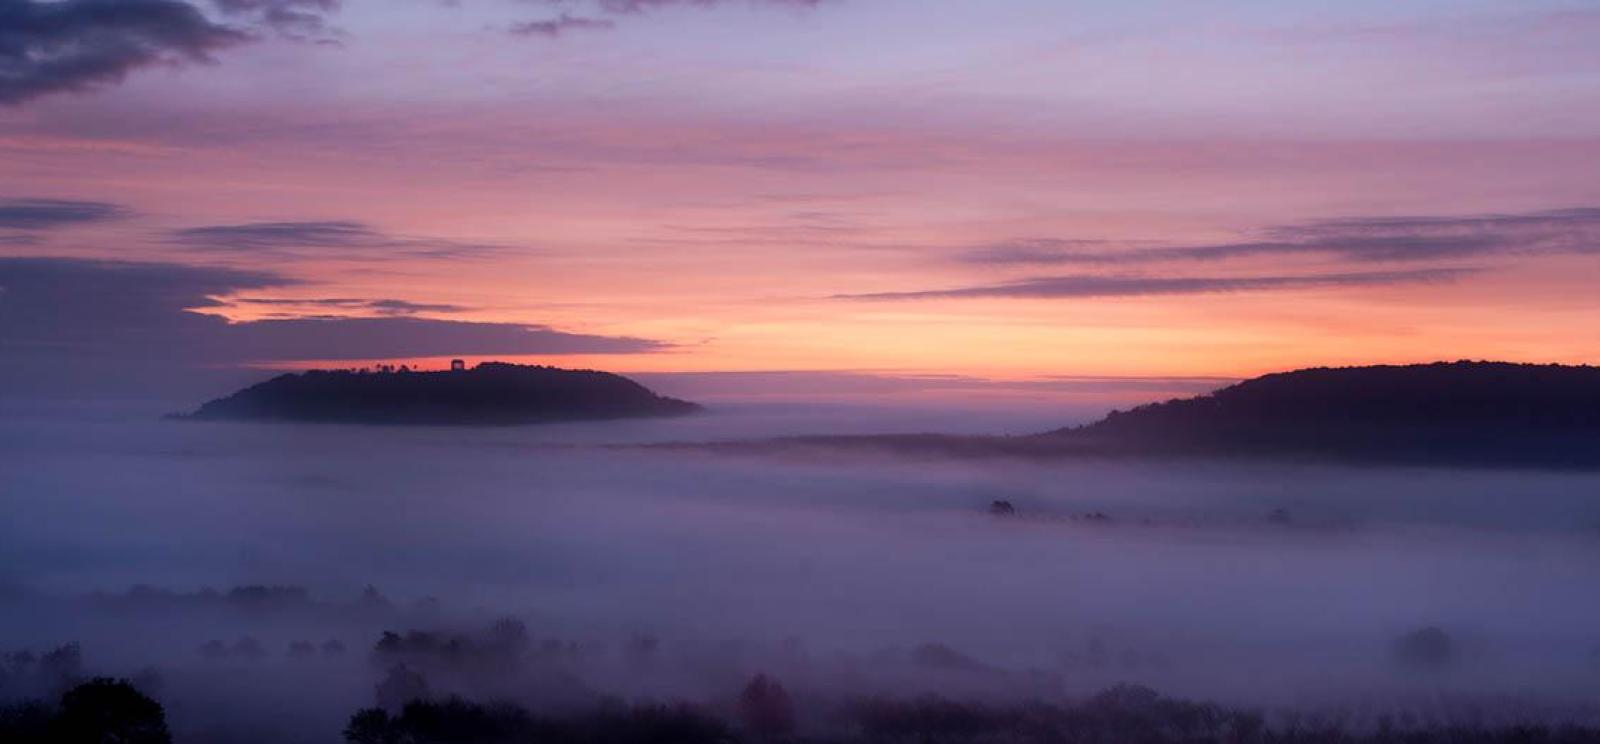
[(1445, 411), (1492, 414), (492, 393)]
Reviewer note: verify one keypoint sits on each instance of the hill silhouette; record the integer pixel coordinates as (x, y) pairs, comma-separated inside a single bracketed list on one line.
[(1445, 413), (492, 393)]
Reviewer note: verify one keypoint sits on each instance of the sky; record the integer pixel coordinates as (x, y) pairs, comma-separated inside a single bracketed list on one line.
[(1014, 191)]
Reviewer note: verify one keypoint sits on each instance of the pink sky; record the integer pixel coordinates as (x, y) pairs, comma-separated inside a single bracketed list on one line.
[(1009, 190)]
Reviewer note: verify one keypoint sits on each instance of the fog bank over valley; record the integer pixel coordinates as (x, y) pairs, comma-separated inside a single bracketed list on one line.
[(679, 575)]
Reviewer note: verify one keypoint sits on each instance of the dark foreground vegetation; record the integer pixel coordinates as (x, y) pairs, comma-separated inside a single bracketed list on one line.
[(1449, 413), (110, 711), (99, 711), (496, 684), (492, 393), (47, 699), (1122, 715)]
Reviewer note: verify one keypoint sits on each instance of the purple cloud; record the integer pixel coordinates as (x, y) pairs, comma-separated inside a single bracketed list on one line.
[(43, 214), (341, 237), (56, 46), (73, 45), (1061, 287), (299, 20), (112, 312), (554, 27), (1372, 239), (381, 307), (560, 25)]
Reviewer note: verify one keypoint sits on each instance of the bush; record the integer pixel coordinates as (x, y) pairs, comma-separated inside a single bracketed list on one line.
[(111, 711), (457, 721)]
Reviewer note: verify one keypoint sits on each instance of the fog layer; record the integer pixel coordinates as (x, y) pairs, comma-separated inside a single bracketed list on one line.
[(1262, 585)]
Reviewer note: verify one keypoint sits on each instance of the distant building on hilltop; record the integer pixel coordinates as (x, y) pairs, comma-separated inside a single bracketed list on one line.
[(458, 365)]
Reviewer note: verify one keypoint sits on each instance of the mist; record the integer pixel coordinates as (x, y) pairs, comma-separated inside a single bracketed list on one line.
[(641, 574)]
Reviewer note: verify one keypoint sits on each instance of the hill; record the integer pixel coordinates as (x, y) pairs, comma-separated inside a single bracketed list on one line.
[(492, 393), (1493, 414), (1447, 411)]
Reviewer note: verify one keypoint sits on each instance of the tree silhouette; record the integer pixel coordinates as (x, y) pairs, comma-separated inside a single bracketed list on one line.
[(1428, 648), (402, 685), (371, 726), (109, 711), (61, 668), (509, 632), (25, 723), (765, 708)]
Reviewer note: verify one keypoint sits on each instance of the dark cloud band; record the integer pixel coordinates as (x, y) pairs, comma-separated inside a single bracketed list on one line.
[(1367, 239), (553, 27), (56, 46), (560, 25), (43, 214), (71, 45), (105, 312), (382, 307), (1066, 287), (335, 237)]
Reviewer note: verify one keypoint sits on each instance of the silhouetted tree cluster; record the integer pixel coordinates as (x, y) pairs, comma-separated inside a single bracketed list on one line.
[(765, 708), (942, 657), (26, 674), (457, 721), (99, 711), (244, 648), (1464, 412), (400, 687), (641, 651), (268, 597), (498, 661), (260, 600), (248, 648), (491, 393), (1120, 715), (1427, 648), (502, 646), (1138, 715)]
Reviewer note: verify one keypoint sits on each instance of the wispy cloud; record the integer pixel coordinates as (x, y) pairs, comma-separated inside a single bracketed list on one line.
[(640, 6), (300, 20), (391, 337), (560, 25), (553, 27), (335, 237), (381, 307), (43, 214), (1397, 238), (1365, 239), (1137, 286)]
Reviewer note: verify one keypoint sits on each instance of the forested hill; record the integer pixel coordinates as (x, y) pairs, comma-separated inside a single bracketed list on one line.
[(1447, 412), (492, 393)]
